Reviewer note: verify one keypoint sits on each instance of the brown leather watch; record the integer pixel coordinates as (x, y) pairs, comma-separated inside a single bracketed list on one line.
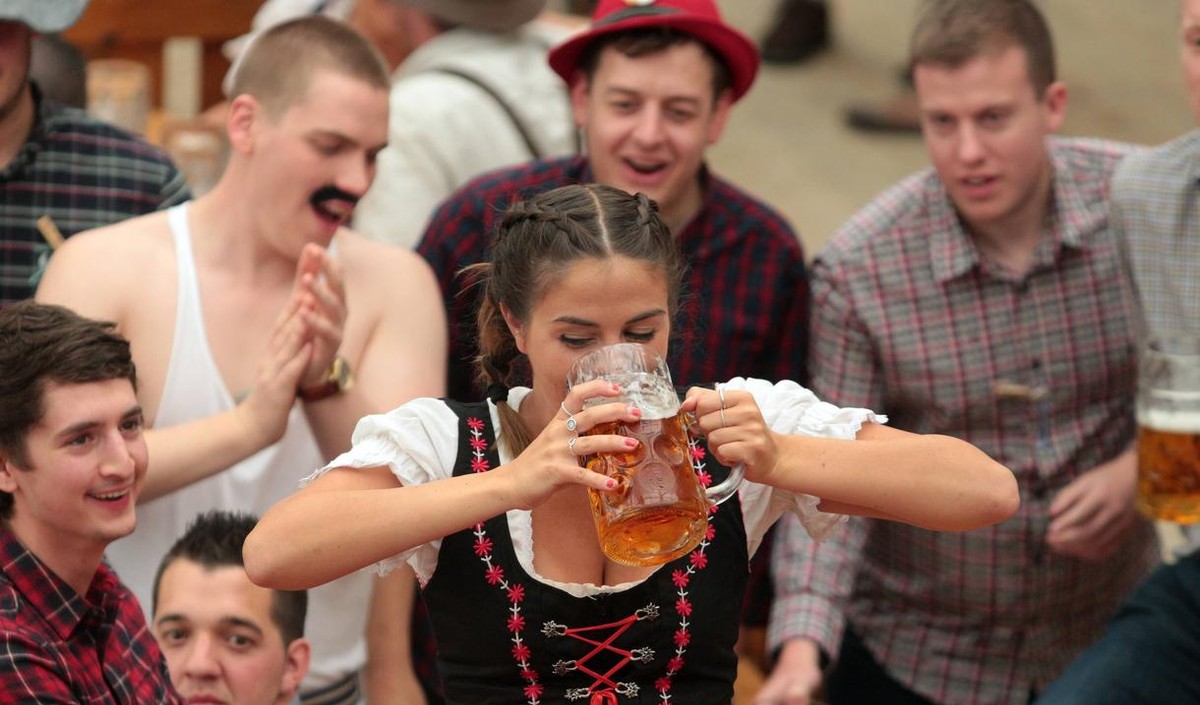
[(338, 380)]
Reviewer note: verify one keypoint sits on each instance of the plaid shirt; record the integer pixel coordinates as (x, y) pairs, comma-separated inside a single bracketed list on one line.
[(84, 174), (1156, 206), (1037, 371), (58, 648), (745, 298)]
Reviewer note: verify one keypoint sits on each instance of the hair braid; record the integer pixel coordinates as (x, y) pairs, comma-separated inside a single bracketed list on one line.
[(535, 244)]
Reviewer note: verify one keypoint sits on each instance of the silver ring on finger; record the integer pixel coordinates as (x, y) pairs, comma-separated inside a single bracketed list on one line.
[(571, 444), (721, 408), (572, 425)]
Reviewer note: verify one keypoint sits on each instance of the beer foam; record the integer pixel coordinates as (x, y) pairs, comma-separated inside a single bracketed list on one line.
[(649, 392), (1170, 421)]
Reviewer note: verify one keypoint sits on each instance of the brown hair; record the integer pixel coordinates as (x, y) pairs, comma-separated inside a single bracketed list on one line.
[(280, 63), (644, 41), (536, 241), (41, 343), (952, 32)]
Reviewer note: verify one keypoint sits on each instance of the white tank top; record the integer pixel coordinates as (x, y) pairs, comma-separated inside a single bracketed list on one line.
[(194, 389)]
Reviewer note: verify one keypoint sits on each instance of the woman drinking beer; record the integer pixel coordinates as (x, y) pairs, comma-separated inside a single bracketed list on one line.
[(489, 501)]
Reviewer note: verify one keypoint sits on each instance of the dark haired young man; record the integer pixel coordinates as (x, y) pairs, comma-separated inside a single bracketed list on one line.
[(225, 638), (72, 460)]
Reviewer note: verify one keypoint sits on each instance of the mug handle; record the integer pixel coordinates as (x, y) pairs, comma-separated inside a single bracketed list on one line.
[(723, 491), (728, 488)]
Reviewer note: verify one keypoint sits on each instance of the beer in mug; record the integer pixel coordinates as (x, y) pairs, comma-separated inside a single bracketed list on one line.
[(1168, 411), (658, 511)]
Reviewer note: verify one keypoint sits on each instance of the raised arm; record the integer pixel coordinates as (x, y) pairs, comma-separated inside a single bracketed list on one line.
[(402, 353), (377, 518), (188, 452), (934, 482)]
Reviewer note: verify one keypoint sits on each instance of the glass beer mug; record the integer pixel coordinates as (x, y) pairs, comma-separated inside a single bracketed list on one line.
[(1168, 413), (658, 510)]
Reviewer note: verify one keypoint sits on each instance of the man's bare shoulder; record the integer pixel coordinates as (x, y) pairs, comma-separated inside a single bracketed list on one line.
[(94, 271), (133, 242), (381, 266)]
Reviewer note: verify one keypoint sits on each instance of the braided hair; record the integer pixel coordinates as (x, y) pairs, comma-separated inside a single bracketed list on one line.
[(536, 241)]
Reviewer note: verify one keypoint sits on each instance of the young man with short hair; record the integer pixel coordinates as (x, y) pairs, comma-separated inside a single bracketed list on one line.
[(986, 298), (252, 306), (224, 638), (72, 461)]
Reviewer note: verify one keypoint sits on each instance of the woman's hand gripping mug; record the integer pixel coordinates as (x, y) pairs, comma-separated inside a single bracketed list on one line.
[(659, 510)]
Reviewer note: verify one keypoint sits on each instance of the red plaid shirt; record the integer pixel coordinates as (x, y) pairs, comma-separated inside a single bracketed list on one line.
[(57, 648), (1038, 372), (745, 298)]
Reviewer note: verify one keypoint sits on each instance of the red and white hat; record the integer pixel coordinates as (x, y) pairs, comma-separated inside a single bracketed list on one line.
[(698, 18)]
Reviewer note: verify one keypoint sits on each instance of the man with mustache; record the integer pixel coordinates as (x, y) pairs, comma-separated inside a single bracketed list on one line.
[(247, 310)]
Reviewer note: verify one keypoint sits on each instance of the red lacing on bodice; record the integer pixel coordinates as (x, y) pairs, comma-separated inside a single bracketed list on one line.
[(515, 592), (581, 634)]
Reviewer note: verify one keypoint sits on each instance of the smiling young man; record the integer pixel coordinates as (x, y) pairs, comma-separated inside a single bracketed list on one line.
[(226, 640), (652, 85), (985, 298), (72, 461), (248, 308)]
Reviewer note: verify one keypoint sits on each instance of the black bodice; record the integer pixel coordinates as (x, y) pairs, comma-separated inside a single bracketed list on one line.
[(504, 637)]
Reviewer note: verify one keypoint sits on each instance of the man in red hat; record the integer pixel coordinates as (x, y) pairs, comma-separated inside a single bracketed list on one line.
[(652, 85)]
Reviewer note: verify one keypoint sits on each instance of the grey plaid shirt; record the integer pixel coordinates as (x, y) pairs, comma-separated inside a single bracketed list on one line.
[(1038, 372), (1156, 206)]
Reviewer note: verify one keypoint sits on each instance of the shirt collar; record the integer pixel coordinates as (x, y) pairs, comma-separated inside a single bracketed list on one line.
[(49, 595), (953, 253)]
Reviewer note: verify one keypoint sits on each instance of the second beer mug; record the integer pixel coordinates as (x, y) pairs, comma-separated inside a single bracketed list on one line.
[(1168, 412), (658, 511)]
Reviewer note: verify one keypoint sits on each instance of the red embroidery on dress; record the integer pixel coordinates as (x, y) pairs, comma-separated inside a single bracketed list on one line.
[(494, 574), (516, 624)]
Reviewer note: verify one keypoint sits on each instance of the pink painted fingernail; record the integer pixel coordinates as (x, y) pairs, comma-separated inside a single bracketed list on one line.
[(631, 442), (611, 483)]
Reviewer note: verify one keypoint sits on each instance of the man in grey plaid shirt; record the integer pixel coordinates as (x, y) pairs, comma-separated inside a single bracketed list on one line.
[(985, 298), (1150, 652)]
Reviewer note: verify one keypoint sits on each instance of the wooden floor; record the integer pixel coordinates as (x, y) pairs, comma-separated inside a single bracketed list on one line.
[(786, 141)]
